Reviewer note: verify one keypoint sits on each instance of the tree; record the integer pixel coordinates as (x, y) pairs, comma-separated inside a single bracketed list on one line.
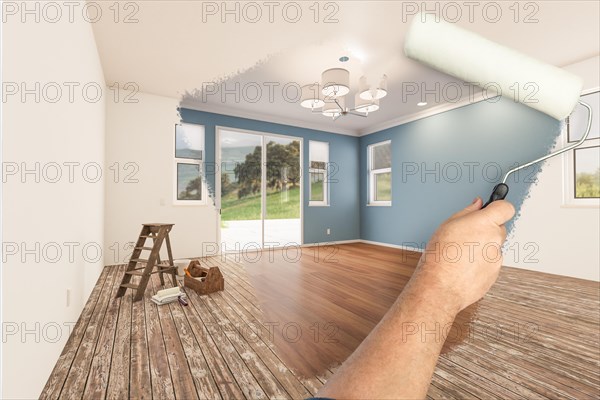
[(248, 173), (588, 185), (283, 168), (226, 185), (192, 191)]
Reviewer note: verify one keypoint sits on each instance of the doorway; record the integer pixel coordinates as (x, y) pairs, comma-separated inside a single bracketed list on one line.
[(258, 190)]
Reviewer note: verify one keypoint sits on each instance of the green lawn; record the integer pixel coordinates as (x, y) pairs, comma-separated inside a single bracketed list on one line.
[(249, 207), (587, 185), (316, 191), (383, 187)]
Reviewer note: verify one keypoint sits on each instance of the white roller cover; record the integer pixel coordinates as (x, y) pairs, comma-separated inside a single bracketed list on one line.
[(475, 59)]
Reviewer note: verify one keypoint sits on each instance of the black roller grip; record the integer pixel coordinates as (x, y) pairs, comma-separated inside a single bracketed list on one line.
[(499, 193)]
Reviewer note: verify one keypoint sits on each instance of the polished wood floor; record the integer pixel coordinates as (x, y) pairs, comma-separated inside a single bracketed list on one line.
[(286, 321)]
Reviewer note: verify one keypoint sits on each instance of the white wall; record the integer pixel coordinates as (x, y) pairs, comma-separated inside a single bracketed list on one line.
[(142, 133), (574, 251), (36, 318)]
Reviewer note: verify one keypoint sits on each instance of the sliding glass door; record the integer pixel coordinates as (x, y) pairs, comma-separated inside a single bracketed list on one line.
[(260, 190), (282, 210)]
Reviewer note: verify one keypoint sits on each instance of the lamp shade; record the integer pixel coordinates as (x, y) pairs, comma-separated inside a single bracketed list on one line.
[(335, 82), (311, 96), (376, 93), (365, 106), (331, 108)]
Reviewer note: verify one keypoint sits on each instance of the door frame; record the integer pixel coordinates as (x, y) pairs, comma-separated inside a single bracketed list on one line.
[(218, 129)]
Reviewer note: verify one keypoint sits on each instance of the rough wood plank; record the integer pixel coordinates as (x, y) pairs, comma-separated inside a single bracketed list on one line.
[(465, 360), (252, 353), (253, 314), (199, 368), (255, 336), (118, 380), (75, 382), (256, 366), (183, 382), (312, 384), (247, 382), (97, 380), (224, 377), (223, 342), (59, 374), (140, 383), (162, 385)]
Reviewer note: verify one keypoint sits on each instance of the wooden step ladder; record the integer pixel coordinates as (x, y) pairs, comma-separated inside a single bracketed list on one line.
[(158, 233)]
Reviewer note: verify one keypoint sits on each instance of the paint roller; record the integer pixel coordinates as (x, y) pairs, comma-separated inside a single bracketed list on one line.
[(489, 65)]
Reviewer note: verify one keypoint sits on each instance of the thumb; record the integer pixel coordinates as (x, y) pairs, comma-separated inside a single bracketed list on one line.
[(499, 211), (474, 206)]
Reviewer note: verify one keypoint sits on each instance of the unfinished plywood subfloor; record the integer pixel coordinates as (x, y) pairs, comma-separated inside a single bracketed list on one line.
[(534, 335)]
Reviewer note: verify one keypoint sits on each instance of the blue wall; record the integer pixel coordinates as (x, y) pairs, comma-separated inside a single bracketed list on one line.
[(486, 135), (342, 216)]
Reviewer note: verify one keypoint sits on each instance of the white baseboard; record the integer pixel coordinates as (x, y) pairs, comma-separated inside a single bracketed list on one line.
[(331, 243), (394, 246)]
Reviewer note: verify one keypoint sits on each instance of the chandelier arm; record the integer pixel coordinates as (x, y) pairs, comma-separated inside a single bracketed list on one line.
[(338, 104), (352, 112)]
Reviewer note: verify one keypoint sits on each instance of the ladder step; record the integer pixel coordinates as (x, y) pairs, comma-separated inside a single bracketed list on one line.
[(129, 285), (143, 248), (164, 269), (135, 272), (138, 260), (148, 236)]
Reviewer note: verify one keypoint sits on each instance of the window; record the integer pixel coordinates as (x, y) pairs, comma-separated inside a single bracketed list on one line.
[(189, 154), (582, 165), (380, 173), (318, 156)]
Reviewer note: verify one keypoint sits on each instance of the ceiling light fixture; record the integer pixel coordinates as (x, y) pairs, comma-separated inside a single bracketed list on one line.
[(373, 93), (336, 82), (312, 97), (328, 98), (422, 103), (365, 106)]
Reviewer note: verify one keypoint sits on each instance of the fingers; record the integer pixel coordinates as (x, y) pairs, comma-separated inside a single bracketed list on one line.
[(474, 206), (499, 211)]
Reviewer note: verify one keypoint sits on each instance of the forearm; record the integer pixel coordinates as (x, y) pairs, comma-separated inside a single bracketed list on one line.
[(398, 357)]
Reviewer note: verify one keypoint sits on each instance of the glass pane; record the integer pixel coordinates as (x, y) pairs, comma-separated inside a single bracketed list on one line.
[(587, 172), (189, 140), (382, 156), (317, 180), (579, 117), (241, 180), (282, 222), (189, 182), (318, 151), (318, 165), (383, 187)]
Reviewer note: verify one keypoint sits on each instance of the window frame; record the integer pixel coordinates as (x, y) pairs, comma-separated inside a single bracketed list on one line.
[(569, 166), (189, 161), (372, 173), (325, 201)]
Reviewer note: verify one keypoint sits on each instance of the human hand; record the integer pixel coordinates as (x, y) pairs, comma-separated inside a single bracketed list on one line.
[(463, 258)]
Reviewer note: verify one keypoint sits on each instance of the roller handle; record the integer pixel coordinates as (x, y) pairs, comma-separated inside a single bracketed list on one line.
[(499, 193)]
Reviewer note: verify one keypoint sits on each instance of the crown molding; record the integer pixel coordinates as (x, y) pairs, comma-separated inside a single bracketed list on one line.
[(438, 109), (228, 111)]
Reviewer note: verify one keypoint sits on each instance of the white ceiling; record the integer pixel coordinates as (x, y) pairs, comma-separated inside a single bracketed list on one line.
[(174, 50)]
